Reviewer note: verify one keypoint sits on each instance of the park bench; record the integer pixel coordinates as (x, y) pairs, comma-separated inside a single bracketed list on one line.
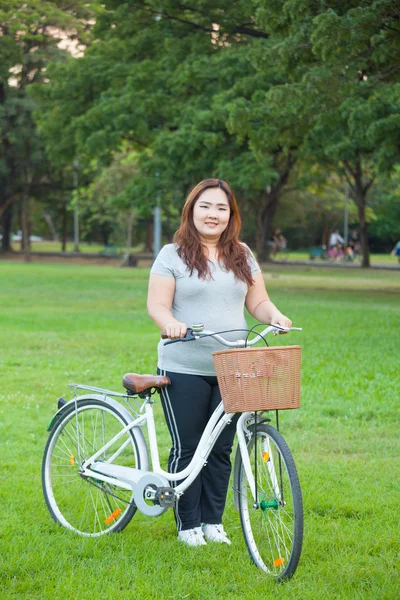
[(110, 250), (318, 252)]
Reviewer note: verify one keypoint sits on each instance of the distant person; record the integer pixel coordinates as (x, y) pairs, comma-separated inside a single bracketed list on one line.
[(335, 239), (354, 243), (396, 251), (336, 245), (278, 241)]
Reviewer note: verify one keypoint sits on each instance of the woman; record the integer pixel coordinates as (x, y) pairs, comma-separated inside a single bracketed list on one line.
[(278, 241), (207, 276)]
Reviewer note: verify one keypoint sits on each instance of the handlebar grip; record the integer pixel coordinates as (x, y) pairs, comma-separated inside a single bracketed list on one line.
[(188, 336), (165, 337)]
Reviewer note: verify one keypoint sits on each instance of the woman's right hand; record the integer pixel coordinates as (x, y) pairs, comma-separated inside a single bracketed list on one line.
[(175, 330)]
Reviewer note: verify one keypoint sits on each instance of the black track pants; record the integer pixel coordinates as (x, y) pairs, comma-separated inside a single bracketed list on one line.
[(188, 404)]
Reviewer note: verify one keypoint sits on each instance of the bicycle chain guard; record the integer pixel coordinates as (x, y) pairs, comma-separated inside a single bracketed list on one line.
[(149, 482)]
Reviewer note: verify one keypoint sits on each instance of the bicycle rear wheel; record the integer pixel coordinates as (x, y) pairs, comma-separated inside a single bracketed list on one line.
[(83, 504), (272, 526)]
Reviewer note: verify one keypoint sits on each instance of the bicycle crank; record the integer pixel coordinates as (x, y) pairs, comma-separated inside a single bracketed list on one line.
[(147, 497)]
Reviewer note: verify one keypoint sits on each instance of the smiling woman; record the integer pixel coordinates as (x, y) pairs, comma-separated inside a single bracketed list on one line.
[(211, 216), (207, 276), (209, 231)]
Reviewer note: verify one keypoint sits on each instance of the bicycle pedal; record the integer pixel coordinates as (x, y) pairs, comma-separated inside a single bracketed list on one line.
[(61, 402), (165, 496)]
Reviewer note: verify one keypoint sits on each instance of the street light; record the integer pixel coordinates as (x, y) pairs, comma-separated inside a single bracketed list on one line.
[(346, 214), (76, 212), (157, 224)]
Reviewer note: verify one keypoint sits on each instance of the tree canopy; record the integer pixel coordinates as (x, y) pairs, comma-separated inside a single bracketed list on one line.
[(257, 92), (341, 62), (32, 35)]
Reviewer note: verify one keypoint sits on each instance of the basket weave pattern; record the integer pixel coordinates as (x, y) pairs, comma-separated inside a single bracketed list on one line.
[(259, 378)]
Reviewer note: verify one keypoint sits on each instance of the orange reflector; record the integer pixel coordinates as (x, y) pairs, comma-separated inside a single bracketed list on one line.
[(278, 562), (113, 516), (265, 456), (72, 460)]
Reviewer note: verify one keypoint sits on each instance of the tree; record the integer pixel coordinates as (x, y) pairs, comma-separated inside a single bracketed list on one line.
[(385, 201), (31, 34), (342, 71), (175, 81), (312, 206), (106, 201), (241, 91)]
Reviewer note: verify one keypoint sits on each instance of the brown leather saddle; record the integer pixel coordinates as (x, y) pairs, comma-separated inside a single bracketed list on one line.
[(140, 384)]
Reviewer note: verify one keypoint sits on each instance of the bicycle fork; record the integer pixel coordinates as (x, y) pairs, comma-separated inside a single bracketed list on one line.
[(242, 430)]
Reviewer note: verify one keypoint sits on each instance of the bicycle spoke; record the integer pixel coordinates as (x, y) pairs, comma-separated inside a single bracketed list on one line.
[(271, 531), (85, 504)]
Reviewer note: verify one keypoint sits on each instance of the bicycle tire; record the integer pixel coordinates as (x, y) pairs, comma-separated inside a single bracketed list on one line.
[(82, 504), (273, 530)]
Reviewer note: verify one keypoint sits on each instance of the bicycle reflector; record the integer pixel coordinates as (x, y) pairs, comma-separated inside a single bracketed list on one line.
[(278, 562), (113, 516)]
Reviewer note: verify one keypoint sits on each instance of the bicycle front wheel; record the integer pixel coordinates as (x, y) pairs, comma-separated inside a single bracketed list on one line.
[(86, 505), (272, 523)]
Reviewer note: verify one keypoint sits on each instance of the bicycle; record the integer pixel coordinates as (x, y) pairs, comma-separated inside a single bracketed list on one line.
[(96, 468)]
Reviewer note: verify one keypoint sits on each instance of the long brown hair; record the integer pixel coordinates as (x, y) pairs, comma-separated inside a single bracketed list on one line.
[(231, 252)]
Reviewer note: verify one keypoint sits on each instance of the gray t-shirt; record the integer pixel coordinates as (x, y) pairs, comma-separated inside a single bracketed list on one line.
[(218, 303)]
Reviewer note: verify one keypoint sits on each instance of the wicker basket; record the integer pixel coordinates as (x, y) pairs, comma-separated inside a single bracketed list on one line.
[(259, 378)]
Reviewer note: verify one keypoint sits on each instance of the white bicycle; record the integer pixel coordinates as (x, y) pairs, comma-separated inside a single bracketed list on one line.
[(96, 470)]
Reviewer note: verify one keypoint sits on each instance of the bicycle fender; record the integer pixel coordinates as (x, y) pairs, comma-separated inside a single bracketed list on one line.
[(237, 464), (109, 400), (236, 474), (139, 437)]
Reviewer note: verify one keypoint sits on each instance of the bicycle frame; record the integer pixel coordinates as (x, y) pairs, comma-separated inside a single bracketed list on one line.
[(127, 477), (99, 494)]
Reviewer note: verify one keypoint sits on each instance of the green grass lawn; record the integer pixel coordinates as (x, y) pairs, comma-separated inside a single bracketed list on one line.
[(85, 247), (49, 246), (62, 324), (300, 255)]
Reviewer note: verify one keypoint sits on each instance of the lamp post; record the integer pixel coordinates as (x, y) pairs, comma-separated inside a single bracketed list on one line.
[(157, 225), (157, 228), (346, 214), (76, 211)]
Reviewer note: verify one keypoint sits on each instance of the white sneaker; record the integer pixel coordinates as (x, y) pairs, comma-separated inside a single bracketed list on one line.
[(192, 537), (216, 533)]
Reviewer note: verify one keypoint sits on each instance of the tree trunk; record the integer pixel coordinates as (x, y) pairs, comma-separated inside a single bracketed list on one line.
[(26, 227), (360, 190), (26, 224), (267, 204), (125, 260), (6, 214), (129, 231), (6, 223), (105, 234), (148, 245), (64, 226), (360, 195), (49, 221)]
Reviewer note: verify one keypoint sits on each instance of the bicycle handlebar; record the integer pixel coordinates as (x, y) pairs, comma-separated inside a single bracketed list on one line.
[(194, 333)]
